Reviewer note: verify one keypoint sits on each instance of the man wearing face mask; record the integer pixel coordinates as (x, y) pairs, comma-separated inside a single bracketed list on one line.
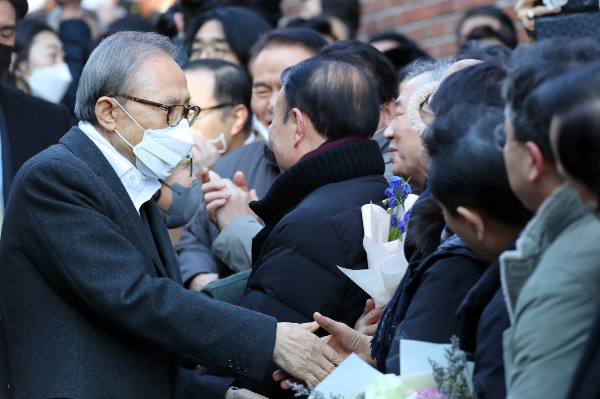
[(105, 313), (27, 124)]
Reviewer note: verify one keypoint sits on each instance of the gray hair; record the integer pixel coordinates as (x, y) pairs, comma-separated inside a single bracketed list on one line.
[(111, 66)]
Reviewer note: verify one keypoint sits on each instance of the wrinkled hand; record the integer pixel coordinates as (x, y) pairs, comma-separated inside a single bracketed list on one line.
[(345, 340), (243, 394), (526, 13), (302, 354), (204, 154), (226, 201), (201, 280), (367, 322)]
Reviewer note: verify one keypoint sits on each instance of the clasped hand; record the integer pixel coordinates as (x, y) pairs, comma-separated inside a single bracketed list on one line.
[(226, 200)]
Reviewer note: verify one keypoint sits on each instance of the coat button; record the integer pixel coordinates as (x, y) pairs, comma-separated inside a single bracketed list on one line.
[(245, 369), (230, 364), (238, 365)]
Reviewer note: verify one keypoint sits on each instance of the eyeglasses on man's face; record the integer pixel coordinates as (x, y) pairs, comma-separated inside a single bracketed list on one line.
[(175, 113)]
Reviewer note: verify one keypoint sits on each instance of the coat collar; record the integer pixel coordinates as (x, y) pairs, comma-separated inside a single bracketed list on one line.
[(556, 213), (337, 164), (84, 148)]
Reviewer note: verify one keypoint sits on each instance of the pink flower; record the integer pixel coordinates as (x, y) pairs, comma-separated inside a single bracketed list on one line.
[(430, 393)]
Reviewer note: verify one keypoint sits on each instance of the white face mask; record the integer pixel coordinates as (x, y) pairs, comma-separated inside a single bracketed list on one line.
[(220, 139), (260, 128), (161, 149), (50, 83)]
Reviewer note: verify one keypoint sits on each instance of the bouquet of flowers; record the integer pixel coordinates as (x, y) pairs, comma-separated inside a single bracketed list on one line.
[(397, 194), (383, 242), (452, 380)]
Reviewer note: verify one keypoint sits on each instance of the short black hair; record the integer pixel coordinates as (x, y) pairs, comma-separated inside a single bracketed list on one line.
[(346, 10), (528, 68), (574, 99), (318, 23), (405, 53), (242, 26), (304, 37), (339, 98), (232, 85), (507, 33), (477, 84), (373, 63), (21, 8), (467, 168), (476, 50)]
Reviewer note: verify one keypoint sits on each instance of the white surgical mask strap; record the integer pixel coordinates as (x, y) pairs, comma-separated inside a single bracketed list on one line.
[(221, 139), (134, 121), (126, 142)]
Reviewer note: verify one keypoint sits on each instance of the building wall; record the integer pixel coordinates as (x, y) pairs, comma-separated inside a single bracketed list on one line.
[(430, 22)]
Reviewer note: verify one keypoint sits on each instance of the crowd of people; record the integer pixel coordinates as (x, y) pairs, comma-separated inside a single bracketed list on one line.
[(179, 187)]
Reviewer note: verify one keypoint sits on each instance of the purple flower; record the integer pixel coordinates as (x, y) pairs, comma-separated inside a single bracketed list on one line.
[(407, 215), (395, 181), (393, 221), (402, 226), (405, 192), (392, 203), (430, 393), (389, 192)]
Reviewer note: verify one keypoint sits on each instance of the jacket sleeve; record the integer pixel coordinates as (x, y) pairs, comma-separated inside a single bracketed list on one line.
[(74, 235), (546, 341), (194, 247), (233, 245)]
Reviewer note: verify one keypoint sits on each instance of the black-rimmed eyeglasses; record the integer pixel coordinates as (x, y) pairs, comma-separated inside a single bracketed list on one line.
[(175, 113)]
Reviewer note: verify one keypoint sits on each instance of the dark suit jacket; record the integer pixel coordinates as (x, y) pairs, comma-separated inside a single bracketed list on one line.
[(31, 125), (91, 310)]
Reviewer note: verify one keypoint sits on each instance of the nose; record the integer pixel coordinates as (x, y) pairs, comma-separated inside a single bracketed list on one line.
[(272, 100), (388, 133)]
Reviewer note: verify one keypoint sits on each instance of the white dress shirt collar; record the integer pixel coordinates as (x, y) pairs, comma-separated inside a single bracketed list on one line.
[(140, 188)]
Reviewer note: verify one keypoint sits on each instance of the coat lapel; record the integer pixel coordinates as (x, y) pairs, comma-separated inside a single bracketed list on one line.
[(85, 149)]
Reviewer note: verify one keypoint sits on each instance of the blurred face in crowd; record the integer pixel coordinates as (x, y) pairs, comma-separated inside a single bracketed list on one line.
[(8, 23), (405, 145), (210, 42), (158, 79), (266, 77), (211, 122), (477, 21), (46, 50)]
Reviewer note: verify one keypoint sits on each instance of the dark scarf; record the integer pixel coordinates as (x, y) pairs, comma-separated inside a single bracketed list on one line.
[(343, 162)]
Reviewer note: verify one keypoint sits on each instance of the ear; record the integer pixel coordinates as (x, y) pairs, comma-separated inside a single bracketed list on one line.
[(388, 112), (536, 167), (474, 219), (300, 120), (106, 113), (240, 116), (21, 69)]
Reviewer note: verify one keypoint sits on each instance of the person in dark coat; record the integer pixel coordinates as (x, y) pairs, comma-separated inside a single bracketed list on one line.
[(27, 124), (468, 178), (330, 168), (92, 298)]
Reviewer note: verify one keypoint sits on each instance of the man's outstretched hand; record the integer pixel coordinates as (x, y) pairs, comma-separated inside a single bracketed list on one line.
[(302, 354)]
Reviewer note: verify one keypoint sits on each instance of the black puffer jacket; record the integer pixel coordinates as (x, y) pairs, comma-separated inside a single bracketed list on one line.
[(313, 224)]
